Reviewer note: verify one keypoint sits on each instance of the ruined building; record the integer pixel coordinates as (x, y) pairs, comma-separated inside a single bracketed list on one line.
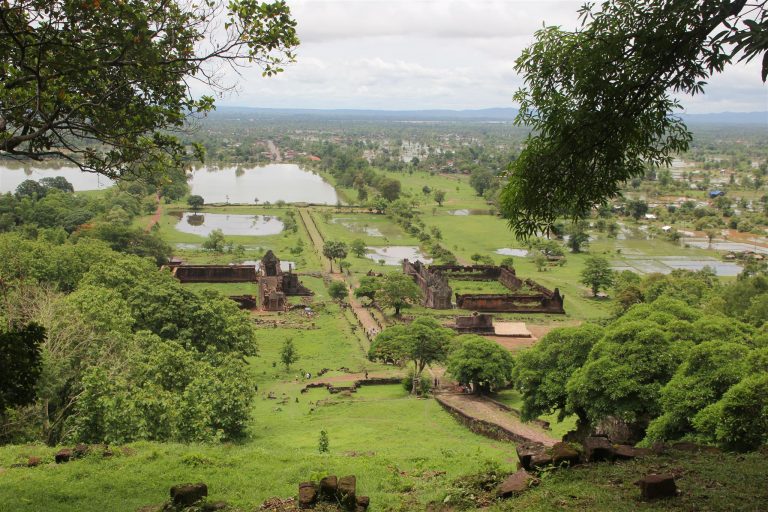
[(526, 296)]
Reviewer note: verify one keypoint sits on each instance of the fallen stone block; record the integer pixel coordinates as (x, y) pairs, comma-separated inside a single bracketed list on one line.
[(188, 494), (515, 483), (541, 460), (685, 446), (597, 449), (362, 503), (307, 495), (564, 454), (216, 505), (328, 487), (525, 454), (657, 486), (63, 455), (34, 461), (346, 492)]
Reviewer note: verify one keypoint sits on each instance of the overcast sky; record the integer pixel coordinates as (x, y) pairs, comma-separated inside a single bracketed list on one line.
[(425, 54)]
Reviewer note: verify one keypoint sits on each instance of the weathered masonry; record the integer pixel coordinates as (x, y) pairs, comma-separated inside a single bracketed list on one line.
[(527, 296), (274, 284)]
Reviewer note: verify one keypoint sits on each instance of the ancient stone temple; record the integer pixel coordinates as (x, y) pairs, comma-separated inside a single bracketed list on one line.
[(525, 296), (434, 286), (275, 285)]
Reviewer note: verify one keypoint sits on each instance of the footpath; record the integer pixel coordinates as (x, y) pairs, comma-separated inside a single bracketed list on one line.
[(369, 324), (489, 413)]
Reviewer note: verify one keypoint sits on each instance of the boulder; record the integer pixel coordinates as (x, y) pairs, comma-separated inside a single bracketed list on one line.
[(346, 492), (564, 454), (656, 486), (307, 495), (63, 455), (597, 449), (328, 487), (515, 483), (34, 461), (626, 452), (361, 503), (188, 494)]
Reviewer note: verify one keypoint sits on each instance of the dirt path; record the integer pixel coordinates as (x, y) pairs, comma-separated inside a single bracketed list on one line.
[(479, 408), (366, 319), (155, 216), (276, 156)]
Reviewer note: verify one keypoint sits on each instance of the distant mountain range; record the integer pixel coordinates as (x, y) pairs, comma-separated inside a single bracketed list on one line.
[(479, 115)]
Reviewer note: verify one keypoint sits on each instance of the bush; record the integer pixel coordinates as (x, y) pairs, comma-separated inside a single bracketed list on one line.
[(425, 383)]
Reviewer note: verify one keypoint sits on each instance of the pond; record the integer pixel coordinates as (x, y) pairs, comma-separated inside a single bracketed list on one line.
[(202, 224), (463, 212), (11, 177), (703, 243), (395, 254), (274, 182), (506, 251)]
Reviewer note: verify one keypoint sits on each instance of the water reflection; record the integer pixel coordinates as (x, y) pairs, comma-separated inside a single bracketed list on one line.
[(506, 251), (395, 254), (271, 183), (11, 177), (250, 225), (356, 227)]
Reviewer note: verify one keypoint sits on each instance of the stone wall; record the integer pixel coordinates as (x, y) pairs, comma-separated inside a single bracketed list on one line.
[(436, 292), (512, 303), (215, 273), (479, 323)]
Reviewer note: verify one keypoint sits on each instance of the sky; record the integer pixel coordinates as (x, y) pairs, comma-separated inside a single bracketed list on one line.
[(434, 54)]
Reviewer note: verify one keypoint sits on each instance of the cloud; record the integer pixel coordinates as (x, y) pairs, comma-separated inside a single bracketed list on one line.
[(425, 54)]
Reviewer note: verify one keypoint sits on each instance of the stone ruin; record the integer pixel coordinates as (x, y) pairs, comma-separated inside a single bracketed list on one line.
[(477, 323), (274, 284), (527, 296)]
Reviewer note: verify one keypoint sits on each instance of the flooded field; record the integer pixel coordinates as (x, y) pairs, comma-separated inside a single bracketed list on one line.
[(271, 183), (249, 225), (464, 212), (357, 227), (395, 254), (666, 264), (506, 251), (11, 177)]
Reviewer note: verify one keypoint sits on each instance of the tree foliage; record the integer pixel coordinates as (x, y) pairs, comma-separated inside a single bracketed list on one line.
[(21, 360), (601, 100), (597, 274), (422, 342), (106, 79), (334, 250), (480, 362), (397, 291)]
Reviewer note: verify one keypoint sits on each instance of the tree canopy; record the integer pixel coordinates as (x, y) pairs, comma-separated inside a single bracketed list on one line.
[(480, 362), (601, 99), (100, 83)]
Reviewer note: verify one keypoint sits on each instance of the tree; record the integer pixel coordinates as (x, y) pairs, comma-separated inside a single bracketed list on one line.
[(337, 290), (215, 241), (358, 248), (426, 190), (482, 363), (542, 372), (30, 189), (422, 342), (597, 274), (390, 189), (21, 360), (334, 250), (109, 79), (637, 208), (397, 291), (58, 183), (600, 100), (577, 240), (439, 197), (540, 261), (368, 288), (288, 354), (195, 202)]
